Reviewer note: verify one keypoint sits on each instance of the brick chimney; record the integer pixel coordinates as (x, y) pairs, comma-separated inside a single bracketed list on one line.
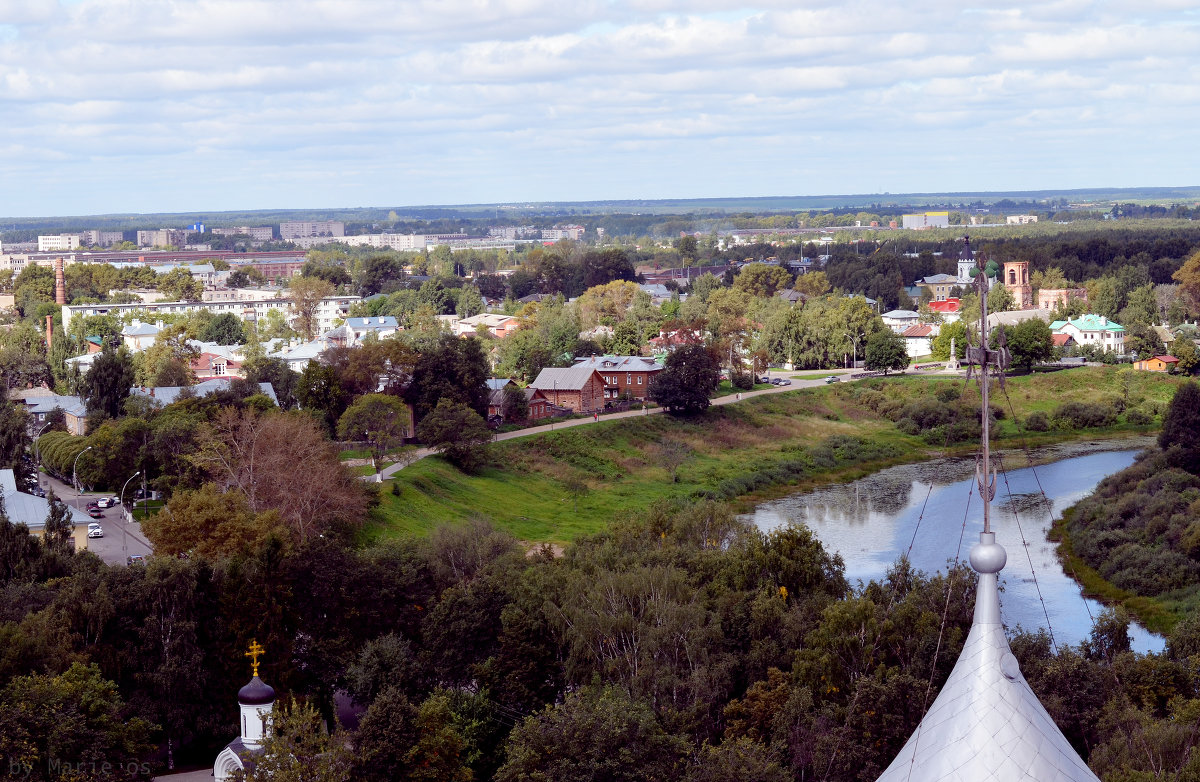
[(49, 333), (60, 282)]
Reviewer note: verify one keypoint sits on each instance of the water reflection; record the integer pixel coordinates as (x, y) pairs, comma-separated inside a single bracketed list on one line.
[(930, 511)]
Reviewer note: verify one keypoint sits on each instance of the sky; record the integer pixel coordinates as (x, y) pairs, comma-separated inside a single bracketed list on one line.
[(176, 105)]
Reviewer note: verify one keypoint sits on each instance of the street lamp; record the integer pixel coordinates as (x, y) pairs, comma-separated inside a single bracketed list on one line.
[(854, 337), (74, 474), (125, 524)]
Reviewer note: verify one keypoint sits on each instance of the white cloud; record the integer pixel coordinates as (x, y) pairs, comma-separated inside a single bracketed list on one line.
[(361, 102)]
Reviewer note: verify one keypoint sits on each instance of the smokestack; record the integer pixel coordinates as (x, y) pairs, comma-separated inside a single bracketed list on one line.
[(49, 333), (60, 282)]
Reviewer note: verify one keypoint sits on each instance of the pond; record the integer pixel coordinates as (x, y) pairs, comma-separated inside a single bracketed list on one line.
[(923, 507)]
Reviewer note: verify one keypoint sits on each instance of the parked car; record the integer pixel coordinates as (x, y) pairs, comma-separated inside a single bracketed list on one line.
[(831, 379), (763, 379), (106, 502), (95, 532), (38, 491), (781, 381), (95, 513), (135, 559)]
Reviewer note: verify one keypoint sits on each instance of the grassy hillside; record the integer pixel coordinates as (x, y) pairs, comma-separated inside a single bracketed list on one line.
[(556, 486)]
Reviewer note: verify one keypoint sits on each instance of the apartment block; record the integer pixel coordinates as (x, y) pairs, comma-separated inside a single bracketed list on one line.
[(301, 229), (58, 242)]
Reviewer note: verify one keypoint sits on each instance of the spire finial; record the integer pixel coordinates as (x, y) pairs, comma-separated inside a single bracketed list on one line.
[(255, 650)]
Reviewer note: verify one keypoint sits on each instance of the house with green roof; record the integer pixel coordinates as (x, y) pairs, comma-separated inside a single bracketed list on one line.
[(1093, 330)]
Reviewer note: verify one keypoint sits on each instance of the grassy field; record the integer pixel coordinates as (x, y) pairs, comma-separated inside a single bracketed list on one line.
[(557, 486)]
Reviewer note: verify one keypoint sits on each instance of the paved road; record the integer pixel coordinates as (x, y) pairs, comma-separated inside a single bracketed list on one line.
[(121, 538), (421, 453)]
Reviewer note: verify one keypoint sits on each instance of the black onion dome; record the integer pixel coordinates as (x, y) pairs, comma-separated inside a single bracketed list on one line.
[(256, 693)]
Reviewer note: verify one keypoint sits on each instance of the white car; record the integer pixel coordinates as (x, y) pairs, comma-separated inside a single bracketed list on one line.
[(95, 532), (106, 502)]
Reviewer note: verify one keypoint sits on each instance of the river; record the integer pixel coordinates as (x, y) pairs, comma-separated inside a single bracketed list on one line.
[(872, 521)]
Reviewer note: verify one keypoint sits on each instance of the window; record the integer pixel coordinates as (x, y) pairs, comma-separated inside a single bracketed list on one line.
[(640, 379), (628, 378)]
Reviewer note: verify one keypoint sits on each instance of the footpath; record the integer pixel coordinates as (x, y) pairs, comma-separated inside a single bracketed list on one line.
[(568, 423)]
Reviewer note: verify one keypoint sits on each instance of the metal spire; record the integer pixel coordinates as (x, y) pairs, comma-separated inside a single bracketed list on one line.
[(986, 724)]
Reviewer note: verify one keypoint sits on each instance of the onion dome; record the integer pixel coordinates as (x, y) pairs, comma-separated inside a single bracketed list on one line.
[(256, 693), (986, 724)]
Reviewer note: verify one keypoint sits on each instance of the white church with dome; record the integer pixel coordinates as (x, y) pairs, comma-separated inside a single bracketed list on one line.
[(254, 702)]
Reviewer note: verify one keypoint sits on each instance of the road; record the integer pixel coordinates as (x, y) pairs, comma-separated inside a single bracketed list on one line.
[(121, 539), (730, 399)]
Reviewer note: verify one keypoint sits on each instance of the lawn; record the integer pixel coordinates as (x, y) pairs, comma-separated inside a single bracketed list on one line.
[(765, 445)]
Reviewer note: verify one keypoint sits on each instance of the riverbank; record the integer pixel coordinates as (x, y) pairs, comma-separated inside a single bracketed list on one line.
[(1152, 614), (556, 486)]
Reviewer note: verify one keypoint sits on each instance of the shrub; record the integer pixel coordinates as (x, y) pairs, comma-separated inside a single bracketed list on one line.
[(742, 380), (1037, 421), (1085, 415), (1138, 417)]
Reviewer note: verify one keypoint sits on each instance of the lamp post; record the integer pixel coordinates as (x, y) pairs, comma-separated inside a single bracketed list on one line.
[(125, 524), (74, 474), (854, 361)]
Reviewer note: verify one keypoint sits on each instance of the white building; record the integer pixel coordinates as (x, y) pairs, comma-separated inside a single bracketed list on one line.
[(297, 229), (102, 238), (254, 704), (330, 311), (57, 242), (163, 237), (263, 233), (1020, 219), (1093, 330), (559, 232), (926, 220)]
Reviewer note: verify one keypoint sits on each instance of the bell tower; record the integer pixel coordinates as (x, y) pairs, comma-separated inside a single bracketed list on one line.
[(1016, 279)]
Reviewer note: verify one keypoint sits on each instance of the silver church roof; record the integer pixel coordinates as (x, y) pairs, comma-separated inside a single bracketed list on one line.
[(986, 725)]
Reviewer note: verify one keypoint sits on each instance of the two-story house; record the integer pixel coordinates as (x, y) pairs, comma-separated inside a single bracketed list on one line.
[(623, 375), (1093, 330)]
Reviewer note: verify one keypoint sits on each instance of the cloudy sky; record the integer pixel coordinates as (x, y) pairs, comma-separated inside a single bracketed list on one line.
[(176, 105)]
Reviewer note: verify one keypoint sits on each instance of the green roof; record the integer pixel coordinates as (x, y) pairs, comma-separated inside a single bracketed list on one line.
[(1088, 323)]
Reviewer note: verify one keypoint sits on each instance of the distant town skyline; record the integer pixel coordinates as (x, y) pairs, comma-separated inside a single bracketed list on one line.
[(153, 106)]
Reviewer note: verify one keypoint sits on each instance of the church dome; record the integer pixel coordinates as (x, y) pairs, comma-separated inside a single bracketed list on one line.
[(256, 693)]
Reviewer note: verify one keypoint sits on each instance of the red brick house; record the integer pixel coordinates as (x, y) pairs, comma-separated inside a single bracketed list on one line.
[(623, 374), (579, 388)]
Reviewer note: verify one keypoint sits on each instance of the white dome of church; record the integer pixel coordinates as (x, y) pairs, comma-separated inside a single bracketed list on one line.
[(255, 700)]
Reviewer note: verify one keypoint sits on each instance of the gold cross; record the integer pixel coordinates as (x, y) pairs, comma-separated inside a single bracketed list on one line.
[(255, 651)]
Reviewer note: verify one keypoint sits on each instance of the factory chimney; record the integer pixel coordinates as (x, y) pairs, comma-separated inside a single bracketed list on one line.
[(49, 333), (60, 282)]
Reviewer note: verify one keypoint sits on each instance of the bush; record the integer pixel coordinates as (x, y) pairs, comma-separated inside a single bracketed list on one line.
[(1085, 415), (1037, 421), (742, 380), (1138, 417)]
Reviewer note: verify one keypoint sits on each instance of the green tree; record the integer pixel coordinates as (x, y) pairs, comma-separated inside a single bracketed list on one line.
[(60, 526), (955, 332), (306, 295), (1189, 357), (690, 375), (595, 735), (209, 523), (225, 329), (320, 392), (276, 372), (1180, 436), (516, 406), (1000, 299), (885, 351), (458, 433), (178, 285), (1030, 342), (762, 280), (449, 368), (298, 749), (61, 727), (107, 384), (381, 419)]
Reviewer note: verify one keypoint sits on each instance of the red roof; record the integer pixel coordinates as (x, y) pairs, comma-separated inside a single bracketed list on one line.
[(1167, 359), (918, 331), (1060, 339), (949, 305)]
